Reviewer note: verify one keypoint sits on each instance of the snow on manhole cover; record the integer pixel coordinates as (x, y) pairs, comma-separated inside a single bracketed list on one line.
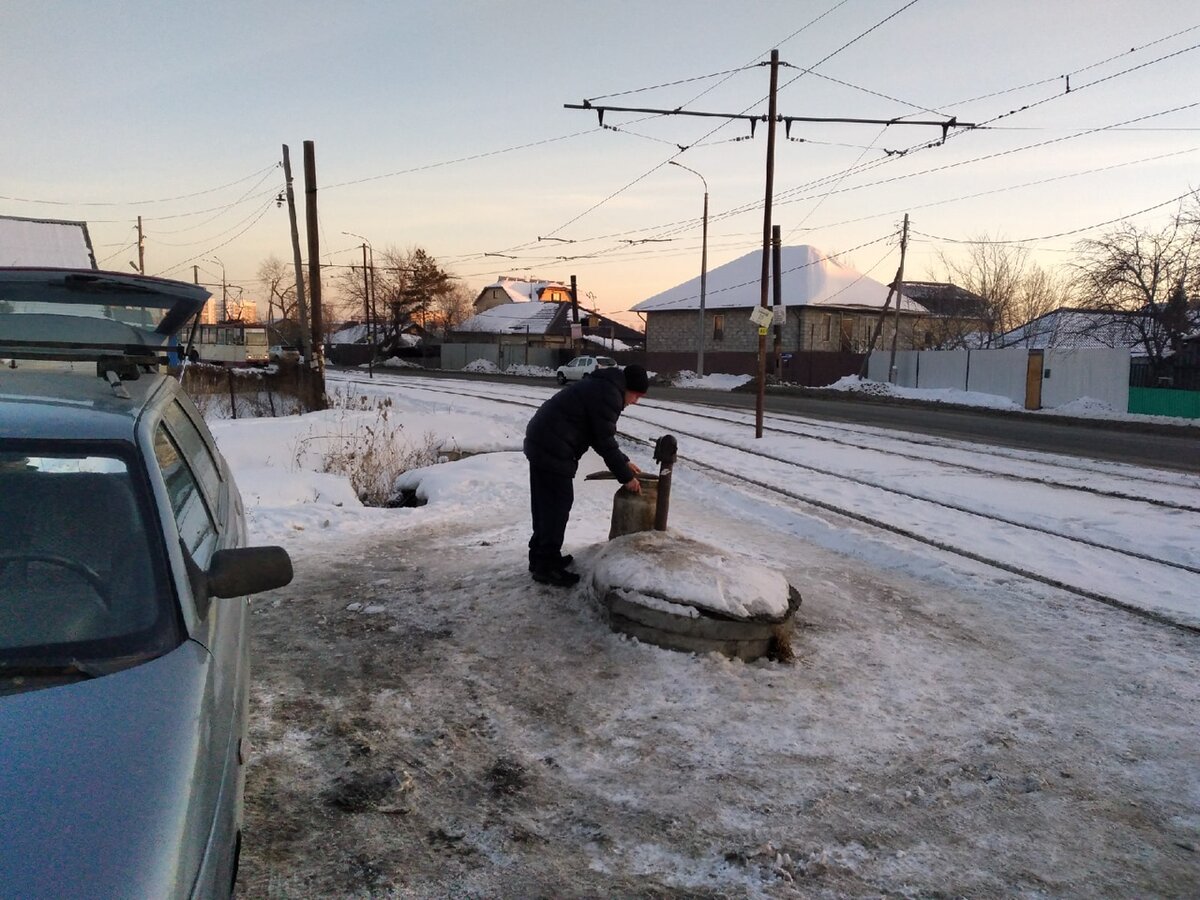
[(681, 594)]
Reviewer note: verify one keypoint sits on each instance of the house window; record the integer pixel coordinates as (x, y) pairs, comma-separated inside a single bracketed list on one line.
[(827, 327), (719, 327)]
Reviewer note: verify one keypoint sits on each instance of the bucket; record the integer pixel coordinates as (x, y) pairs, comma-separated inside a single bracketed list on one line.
[(634, 512)]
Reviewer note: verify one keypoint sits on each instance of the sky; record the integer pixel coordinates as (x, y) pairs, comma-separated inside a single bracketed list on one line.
[(443, 126)]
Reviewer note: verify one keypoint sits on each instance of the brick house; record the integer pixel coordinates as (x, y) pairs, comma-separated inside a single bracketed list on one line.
[(829, 314)]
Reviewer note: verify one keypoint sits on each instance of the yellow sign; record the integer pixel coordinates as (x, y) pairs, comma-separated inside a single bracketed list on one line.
[(762, 330)]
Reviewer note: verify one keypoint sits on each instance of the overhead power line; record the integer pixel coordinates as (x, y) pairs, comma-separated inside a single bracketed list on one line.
[(1047, 237), (141, 202)]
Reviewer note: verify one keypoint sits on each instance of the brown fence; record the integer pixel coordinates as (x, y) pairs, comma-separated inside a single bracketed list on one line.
[(228, 392)]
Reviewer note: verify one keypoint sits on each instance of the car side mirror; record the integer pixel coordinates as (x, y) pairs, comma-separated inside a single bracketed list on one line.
[(248, 570)]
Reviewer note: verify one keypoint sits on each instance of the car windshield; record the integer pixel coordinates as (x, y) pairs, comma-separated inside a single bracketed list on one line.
[(83, 588)]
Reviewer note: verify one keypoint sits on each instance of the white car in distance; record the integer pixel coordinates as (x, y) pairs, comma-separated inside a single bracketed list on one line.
[(582, 367)]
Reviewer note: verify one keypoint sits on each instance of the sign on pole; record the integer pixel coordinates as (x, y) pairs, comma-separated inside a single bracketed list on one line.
[(762, 316)]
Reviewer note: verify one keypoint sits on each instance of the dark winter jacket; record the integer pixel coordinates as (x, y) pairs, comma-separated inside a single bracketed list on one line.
[(579, 416)]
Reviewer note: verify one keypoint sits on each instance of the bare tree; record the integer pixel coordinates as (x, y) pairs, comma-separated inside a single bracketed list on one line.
[(1012, 288), (1149, 278), (452, 306), (405, 286), (279, 281)]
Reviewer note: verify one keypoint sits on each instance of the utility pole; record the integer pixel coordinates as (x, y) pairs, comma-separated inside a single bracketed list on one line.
[(301, 300), (367, 313), (141, 248), (772, 117), (703, 269), (899, 297), (314, 273), (777, 296), (766, 253), (574, 315)]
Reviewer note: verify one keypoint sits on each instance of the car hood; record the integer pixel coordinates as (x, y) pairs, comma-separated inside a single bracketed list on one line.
[(97, 781)]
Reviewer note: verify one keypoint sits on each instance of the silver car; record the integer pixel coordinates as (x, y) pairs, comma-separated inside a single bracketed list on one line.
[(124, 656)]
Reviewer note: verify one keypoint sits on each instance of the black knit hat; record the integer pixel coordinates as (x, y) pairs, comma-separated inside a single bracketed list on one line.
[(636, 379)]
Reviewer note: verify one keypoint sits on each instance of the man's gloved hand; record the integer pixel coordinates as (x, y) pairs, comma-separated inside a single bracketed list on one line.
[(633, 467), (633, 485)]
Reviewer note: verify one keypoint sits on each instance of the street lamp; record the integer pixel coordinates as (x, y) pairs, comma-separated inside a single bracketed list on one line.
[(703, 270), (368, 296), (224, 290)]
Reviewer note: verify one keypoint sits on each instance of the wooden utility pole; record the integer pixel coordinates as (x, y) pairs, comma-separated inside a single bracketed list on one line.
[(141, 248), (301, 299), (899, 296), (766, 254), (317, 365)]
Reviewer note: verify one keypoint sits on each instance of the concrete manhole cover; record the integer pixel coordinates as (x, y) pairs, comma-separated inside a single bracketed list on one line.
[(681, 594)]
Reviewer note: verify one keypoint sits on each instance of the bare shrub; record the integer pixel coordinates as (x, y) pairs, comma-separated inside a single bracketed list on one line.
[(371, 450)]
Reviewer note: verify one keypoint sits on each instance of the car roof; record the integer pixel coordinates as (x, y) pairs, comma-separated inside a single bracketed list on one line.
[(70, 403)]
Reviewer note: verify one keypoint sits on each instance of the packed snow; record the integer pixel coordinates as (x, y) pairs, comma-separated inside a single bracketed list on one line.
[(429, 722)]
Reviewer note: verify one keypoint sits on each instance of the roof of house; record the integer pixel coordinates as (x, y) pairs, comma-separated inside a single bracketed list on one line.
[(808, 279), (525, 317), (519, 289), (943, 298), (1075, 329)]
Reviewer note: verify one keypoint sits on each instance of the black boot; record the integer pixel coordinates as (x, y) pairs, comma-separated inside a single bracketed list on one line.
[(555, 577), (563, 561)]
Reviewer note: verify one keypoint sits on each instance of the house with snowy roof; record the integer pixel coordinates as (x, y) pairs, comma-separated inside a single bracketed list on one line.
[(507, 289), (827, 308), (1067, 328), (541, 314)]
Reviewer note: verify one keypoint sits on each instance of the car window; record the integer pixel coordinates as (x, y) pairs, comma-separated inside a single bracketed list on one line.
[(605, 361), (197, 452), (82, 570), (197, 527)]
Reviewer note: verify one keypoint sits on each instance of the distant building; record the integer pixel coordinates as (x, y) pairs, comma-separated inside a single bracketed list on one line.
[(518, 290), (540, 314), (828, 309), (958, 318), (1077, 329)]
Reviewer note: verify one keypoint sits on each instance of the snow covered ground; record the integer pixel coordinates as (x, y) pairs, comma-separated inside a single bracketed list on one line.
[(963, 716)]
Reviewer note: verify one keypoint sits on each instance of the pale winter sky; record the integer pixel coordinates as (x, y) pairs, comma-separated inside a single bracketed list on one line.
[(442, 125)]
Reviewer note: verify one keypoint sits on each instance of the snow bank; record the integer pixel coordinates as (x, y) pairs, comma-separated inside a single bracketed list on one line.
[(530, 371), (715, 382), (853, 384), (664, 566), (482, 365)]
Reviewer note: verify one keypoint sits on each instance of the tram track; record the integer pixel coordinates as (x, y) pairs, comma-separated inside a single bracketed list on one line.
[(1074, 545)]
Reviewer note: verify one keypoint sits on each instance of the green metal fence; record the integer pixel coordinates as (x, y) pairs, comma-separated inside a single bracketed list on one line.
[(1164, 402)]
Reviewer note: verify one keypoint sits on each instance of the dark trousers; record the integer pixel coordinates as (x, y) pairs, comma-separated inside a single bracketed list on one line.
[(551, 496)]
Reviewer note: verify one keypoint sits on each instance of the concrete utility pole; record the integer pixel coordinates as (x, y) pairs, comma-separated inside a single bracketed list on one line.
[(301, 300), (141, 248), (771, 118)]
